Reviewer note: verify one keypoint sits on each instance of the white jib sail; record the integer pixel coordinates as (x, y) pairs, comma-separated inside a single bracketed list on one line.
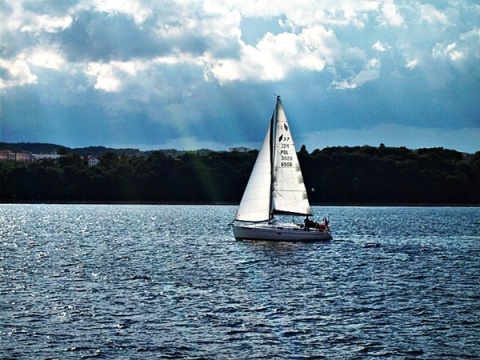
[(289, 192), (255, 204)]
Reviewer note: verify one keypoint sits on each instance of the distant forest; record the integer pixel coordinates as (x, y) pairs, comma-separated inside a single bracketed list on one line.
[(334, 175)]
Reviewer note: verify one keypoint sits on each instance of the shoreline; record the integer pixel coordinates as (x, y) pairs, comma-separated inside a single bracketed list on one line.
[(235, 204)]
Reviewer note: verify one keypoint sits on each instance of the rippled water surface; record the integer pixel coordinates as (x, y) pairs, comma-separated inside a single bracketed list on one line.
[(136, 282)]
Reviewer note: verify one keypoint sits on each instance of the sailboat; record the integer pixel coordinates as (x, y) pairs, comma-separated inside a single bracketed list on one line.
[(276, 187)]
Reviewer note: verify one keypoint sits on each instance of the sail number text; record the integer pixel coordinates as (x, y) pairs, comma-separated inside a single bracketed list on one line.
[(286, 158), (286, 161)]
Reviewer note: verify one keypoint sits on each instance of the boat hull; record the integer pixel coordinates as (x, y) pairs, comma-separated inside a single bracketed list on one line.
[(278, 232)]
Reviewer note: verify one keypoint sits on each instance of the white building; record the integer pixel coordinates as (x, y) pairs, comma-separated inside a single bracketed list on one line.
[(45, 156), (92, 160)]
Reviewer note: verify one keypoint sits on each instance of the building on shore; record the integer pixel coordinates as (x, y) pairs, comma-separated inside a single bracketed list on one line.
[(23, 156), (239, 149)]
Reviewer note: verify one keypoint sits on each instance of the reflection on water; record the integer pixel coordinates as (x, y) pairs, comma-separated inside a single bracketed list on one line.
[(171, 282)]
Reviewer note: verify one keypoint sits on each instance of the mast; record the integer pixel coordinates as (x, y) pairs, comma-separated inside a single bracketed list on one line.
[(273, 125)]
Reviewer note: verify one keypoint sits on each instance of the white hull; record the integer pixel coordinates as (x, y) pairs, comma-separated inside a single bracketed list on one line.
[(278, 232)]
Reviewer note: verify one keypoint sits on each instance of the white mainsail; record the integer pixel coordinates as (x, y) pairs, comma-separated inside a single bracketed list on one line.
[(276, 183), (289, 192)]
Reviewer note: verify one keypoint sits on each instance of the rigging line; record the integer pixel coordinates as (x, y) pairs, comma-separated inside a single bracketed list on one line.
[(277, 192)]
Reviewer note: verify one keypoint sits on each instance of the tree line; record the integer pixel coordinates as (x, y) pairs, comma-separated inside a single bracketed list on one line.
[(334, 175)]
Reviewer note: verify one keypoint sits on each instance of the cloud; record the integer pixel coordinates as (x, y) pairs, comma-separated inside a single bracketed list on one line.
[(102, 31), (389, 14), (47, 58), (412, 64), (16, 72), (431, 15), (21, 19), (370, 72), (204, 71), (276, 56), (449, 51), (379, 47), (134, 9), (44, 23), (107, 76)]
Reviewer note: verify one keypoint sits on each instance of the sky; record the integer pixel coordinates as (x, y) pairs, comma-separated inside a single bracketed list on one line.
[(204, 74)]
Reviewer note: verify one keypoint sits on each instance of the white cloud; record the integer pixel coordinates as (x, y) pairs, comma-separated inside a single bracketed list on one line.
[(18, 19), (221, 21), (412, 64), (370, 72), (322, 45), (112, 76), (105, 75), (389, 14), (131, 8), (379, 47), (17, 73), (49, 24), (275, 56), (449, 51), (47, 59), (432, 15), (471, 41)]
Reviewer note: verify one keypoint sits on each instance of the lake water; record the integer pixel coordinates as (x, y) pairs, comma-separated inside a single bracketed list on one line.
[(155, 282)]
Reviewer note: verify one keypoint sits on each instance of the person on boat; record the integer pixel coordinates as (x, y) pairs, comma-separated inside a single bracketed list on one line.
[(308, 223), (305, 223), (326, 222), (324, 225)]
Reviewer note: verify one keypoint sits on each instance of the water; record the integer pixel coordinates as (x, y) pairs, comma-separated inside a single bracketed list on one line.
[(139, 282)]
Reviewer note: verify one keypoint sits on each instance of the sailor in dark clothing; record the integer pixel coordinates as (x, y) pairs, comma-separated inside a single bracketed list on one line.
[(308, 223)]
